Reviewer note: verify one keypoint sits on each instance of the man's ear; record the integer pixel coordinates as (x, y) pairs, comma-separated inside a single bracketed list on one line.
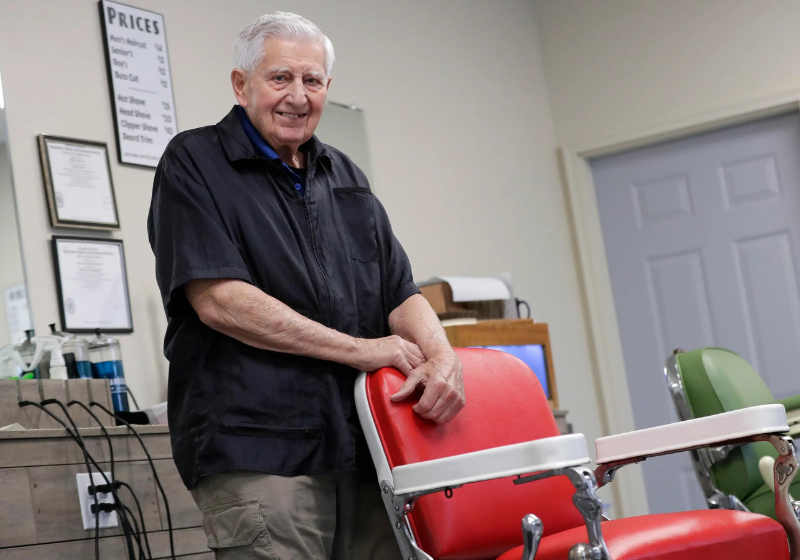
[(328, 86), (239, 82)]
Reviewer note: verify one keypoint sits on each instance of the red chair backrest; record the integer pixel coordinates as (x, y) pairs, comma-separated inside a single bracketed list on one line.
[(505, 405)]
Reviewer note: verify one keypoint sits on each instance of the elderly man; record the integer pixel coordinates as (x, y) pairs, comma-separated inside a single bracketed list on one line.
[(281, 280)]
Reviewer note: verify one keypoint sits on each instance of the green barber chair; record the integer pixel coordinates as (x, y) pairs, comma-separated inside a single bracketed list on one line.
[(711, 381)]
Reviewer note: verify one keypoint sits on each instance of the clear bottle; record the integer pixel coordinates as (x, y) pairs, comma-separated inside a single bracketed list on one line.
[(106, 357), (76, 355)]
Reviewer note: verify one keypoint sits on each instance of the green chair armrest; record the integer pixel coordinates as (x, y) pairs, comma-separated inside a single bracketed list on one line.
[(791, 403)]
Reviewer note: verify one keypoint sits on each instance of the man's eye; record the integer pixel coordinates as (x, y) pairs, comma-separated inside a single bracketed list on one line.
[(280, 78)]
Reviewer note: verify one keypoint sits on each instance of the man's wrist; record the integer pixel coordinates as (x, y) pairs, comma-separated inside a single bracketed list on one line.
[(443, 353), (355, 351)]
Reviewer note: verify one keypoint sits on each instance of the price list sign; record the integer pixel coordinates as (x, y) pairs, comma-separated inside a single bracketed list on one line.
[(140, 81)]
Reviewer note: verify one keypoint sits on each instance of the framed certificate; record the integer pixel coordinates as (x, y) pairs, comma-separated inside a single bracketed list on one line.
[(77, 182), (92, 284)]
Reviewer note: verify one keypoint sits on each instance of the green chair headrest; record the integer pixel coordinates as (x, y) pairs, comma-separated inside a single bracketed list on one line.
[(717, 380)]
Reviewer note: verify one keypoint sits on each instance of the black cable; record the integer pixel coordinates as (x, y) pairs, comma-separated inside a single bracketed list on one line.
[(102, 429), (92, 486), (141, 517), (113, 478), (152, 467), (76, 437), (88, 470), (133, 398), (128, 539), (127, 511), (118, 502)]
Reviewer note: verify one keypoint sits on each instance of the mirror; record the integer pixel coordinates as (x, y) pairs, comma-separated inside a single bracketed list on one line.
[(15, 316), (343, 127)]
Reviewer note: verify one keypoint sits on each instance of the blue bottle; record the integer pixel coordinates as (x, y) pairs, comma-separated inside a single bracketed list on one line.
[(106, 357)]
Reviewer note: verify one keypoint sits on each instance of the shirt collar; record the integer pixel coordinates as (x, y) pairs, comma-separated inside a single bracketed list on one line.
[(237, 144), (255, 137)]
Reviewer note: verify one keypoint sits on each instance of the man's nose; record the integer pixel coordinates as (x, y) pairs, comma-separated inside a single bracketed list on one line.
[(296, 92)]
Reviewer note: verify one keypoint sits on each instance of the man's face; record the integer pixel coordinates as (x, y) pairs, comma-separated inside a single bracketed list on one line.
[(285, 95)]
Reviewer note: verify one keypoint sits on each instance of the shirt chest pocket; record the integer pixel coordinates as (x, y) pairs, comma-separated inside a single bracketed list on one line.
[(357, 211)]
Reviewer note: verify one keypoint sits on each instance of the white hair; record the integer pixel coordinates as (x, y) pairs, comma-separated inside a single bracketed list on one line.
[(286, 25)]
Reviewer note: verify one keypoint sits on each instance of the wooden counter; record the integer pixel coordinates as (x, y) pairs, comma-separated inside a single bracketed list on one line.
[(40, 516)]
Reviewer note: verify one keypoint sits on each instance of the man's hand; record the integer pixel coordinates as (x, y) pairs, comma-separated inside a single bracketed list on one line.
[(443, 396), (390, 351)]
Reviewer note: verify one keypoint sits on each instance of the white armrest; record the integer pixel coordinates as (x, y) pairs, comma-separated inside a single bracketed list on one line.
[(520, 458), (691, 434)]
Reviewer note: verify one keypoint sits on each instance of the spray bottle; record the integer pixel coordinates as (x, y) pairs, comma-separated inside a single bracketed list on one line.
[(53, 344), (30, 354), (11, 364)]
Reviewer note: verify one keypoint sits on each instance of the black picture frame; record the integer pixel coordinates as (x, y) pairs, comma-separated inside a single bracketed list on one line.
[(109, 75), (49, 188), (59, 285)]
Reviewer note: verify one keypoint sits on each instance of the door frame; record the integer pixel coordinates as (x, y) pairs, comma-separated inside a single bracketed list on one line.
[(605, 343)]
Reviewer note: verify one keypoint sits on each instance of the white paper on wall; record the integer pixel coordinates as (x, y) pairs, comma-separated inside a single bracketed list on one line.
[(18, 315)]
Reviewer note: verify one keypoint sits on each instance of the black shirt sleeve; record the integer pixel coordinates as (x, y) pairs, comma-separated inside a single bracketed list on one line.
[(398, 282), (187, 232)]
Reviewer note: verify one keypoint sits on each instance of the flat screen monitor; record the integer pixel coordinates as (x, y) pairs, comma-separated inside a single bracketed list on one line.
[(533, 356)]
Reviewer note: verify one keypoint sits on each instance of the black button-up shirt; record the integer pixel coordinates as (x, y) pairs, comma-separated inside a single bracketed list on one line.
[(221, 210)]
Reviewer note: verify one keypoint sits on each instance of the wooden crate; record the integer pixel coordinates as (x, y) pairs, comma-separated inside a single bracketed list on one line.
[(39, 510)]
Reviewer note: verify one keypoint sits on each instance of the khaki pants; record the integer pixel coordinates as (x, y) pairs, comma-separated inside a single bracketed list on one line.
[(269, 517)]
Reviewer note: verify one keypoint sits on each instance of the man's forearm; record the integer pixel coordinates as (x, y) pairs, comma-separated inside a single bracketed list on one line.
[(416, 321), (247, 314)]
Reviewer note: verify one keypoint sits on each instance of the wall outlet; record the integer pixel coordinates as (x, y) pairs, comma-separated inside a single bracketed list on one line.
[(107, 519)]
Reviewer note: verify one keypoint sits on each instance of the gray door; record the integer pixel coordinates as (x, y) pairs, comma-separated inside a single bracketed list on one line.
[(702, 237)]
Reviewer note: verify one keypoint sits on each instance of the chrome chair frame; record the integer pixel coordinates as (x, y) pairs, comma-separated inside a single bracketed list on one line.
[(702, 459)]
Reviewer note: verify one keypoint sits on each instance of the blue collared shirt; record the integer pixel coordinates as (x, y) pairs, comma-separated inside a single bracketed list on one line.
[(266, 150)]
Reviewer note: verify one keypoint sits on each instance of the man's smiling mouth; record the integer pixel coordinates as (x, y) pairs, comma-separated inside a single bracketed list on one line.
[(292, 115)]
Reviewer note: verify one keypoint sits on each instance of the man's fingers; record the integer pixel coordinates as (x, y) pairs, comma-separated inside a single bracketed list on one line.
[(405, 367), (442, 404), (408, 387), (414, 361), (433, 390), (417, 352), (451, 411)]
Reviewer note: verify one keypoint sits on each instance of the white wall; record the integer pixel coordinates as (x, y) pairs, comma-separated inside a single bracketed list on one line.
[(617, 67), (458, 120), (11, 273), (619, 71)]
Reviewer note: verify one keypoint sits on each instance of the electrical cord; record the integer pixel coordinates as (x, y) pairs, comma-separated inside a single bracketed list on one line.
[(92, 486), (128, 540), (76, 437), (122, 508), (141, 517), (127, 530), (152, 467), (130, 393), (102, 429), (117, 483), (80, 443)]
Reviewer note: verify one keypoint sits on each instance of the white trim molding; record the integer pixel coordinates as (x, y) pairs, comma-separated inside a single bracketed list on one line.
[(604, 337)]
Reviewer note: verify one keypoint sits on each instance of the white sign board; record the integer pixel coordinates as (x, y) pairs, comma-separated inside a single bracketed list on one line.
[(141, 82)]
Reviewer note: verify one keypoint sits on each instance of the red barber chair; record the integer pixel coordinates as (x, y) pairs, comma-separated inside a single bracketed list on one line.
[(464, 490)]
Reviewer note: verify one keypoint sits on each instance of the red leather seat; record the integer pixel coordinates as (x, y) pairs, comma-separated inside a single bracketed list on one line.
[(691, 535), (506, 405)]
